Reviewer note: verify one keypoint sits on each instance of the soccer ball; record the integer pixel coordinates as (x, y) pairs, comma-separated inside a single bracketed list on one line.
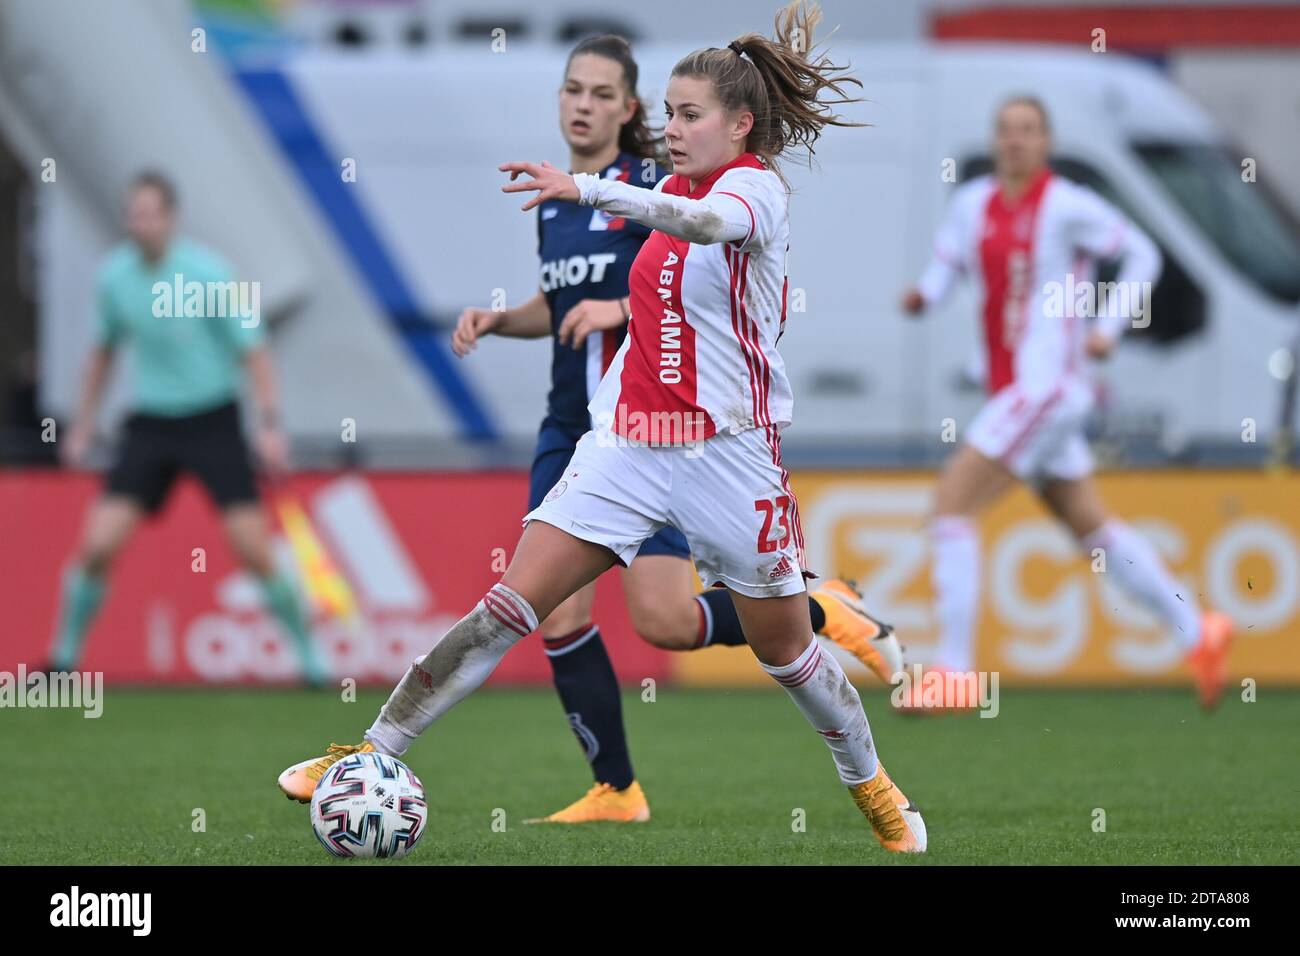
[(369, 806)]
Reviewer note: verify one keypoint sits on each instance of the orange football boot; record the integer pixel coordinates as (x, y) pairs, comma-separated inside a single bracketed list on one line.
[(894, 819), (602, 803), (299, 781), (850, 626)]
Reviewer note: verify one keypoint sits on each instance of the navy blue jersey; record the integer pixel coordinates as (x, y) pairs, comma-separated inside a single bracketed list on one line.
[(587, 254)]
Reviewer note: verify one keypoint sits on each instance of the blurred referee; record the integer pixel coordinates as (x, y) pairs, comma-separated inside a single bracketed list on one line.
[(185, 418)]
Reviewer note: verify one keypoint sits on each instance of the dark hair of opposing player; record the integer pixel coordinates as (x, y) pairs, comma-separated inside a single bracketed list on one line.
[(1026, 99), (152, 179), (635, 136), (778, 81)]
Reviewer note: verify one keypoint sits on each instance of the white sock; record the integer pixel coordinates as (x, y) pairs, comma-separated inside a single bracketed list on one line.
[(824, 695), (954, 574), (1138, 569), (456, 666)]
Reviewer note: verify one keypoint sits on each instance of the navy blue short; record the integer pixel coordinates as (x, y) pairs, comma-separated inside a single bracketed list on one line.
[(555, 445)]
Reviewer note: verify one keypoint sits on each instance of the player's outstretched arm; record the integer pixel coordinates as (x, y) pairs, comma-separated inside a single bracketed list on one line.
[(718, 217), (938, 279), (528, 320), (946, 264)]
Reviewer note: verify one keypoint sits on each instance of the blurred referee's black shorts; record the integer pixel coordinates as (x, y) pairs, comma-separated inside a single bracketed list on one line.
[(156, 449)]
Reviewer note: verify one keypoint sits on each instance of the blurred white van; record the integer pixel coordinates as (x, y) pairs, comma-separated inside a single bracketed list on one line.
[(432, 131)]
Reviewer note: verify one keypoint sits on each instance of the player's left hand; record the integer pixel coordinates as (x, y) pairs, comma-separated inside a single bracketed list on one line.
[(589, 315), (272, 450), (1099, 346), (549, 182)]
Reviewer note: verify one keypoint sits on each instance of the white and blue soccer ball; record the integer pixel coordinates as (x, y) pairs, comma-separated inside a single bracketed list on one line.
[(369, 806)]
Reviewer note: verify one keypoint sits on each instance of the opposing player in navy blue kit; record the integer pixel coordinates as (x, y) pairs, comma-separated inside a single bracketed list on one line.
[(582, 303)]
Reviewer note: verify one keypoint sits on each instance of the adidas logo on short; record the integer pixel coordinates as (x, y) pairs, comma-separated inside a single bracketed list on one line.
[(783, 567)]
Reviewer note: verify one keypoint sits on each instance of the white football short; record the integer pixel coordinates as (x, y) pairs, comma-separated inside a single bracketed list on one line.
[(728, 494), (1037, 435)]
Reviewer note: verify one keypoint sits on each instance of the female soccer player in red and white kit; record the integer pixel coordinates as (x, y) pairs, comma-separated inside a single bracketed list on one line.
[(583, 307), (1030, 239), (687, 420)]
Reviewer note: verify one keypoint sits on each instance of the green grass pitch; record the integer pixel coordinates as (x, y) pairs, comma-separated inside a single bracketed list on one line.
[(726, 774)]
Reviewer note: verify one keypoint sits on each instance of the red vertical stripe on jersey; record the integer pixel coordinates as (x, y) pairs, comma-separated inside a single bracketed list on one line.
[(762, 414), (651, 385), (785, 298), (609, 343), (733, 267), (760, 377), (747, 330), (1007, 242), (660, 327)]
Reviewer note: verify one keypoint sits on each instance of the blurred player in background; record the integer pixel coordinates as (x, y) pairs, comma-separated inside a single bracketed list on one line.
[(1028, 238), (583, 304), (708, 298), (185, 418)]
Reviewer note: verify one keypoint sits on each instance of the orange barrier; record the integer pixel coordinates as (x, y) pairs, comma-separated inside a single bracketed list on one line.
[(1232, 539)]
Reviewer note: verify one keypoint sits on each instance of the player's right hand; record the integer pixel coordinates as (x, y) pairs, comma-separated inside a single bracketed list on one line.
[(74, 448), (548, 182), (913, 302), (472, 324)]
